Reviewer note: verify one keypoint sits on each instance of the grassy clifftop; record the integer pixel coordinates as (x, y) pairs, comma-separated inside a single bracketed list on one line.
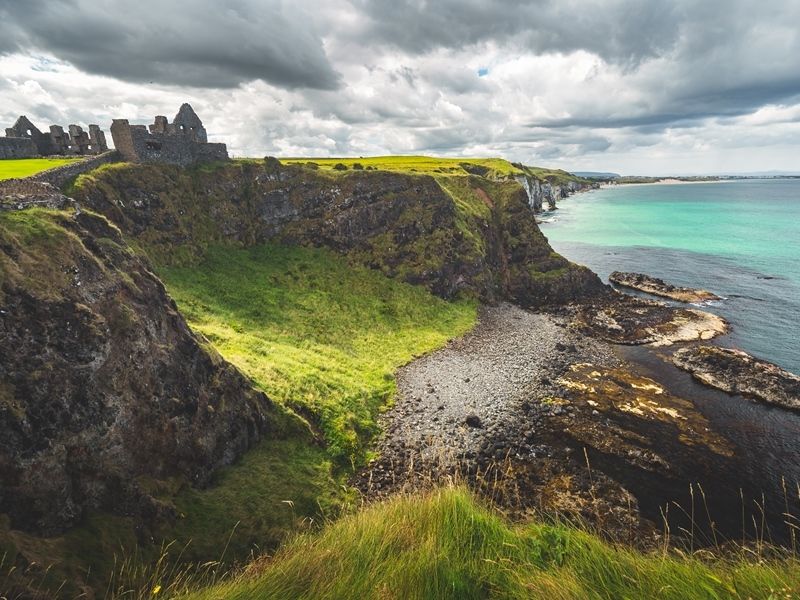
[(25, 167), (428, 165)]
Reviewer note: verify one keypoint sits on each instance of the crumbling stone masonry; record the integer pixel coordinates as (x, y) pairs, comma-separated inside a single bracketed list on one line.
[(17, 148), (25, 140), (182, 142)]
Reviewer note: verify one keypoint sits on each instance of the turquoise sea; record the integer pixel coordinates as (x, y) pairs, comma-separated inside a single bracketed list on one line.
[(739, 239)]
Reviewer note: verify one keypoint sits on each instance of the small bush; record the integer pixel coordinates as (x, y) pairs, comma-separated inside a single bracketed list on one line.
[(358, 167), (340, 167)]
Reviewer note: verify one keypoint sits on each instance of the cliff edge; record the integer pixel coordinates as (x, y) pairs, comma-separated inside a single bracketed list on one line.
[(102, 383)]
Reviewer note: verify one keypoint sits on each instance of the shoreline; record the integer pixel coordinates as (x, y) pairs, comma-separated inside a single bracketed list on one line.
[(542, 416), (757, 293), (603, 186)]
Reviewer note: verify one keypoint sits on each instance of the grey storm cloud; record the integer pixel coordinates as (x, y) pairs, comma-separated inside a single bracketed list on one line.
[(718, 57), (199, 43), (545, 79), (624, 31)]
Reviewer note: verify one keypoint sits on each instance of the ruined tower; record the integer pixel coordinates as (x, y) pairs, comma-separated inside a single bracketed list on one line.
[(182, 142), (23, 128)]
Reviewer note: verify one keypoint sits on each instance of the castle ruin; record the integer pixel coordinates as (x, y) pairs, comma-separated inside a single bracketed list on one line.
[(25, 140), (182, 142)]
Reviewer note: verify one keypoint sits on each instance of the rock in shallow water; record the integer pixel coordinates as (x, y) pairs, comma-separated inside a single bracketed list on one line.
[(658, 287), (737, 372)]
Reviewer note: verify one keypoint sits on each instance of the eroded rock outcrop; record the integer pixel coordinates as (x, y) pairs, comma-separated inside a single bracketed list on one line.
[(102, 384), (658, 287), (737, 372), (623, 319), (539, 191)]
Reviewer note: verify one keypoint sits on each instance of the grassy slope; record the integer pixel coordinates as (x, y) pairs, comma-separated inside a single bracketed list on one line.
[(314, 332), (445, 545), (24, 167), (321, 337), (318, 335)]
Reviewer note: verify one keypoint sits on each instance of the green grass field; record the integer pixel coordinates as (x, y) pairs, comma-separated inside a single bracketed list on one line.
[(25, 167), (313, 331), (413, 164)]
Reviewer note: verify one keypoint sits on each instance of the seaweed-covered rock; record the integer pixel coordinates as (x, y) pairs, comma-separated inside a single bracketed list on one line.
[(623, 319), (658, 287), (737, 372)]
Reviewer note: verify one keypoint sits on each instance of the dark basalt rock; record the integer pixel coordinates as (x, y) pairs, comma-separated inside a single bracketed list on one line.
[(473, 421), (658, 287), (101, 381), (737, 372), (624, 319)]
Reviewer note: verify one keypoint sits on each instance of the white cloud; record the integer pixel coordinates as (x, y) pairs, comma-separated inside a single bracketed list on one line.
[(713, 90)]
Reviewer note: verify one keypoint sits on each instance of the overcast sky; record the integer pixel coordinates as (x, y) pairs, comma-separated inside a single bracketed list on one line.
[(631, 86)]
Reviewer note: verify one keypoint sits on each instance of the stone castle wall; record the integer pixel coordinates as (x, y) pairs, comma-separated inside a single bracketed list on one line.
[(136, 144), (61, 175), (17, 148), (183, 142), (75, 141)]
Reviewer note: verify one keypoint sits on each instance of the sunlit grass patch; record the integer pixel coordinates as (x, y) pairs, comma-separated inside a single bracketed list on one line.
[(315, 332), (25, 167)]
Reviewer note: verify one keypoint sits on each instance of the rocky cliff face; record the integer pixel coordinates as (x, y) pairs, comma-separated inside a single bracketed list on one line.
[(102, 384), (539, 191), (464, 235)]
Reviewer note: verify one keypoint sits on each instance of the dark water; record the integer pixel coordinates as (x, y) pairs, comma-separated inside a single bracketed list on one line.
[(740, 240)]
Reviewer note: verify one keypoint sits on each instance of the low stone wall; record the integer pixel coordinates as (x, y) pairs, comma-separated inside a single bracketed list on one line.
[(61, 175), (44, 189), (18, 194)]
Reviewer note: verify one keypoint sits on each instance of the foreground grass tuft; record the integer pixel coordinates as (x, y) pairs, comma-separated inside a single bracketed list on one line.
[(446, 545)]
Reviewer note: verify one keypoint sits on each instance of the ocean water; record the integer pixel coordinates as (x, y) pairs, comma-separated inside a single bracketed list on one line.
[(738, 239)]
